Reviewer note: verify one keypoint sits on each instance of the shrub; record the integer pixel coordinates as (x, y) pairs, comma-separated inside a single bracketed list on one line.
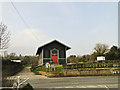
[(10, 68), (59, 66), (59, 69), (31, 69), (115, 65), (90, 66), (72, 67)]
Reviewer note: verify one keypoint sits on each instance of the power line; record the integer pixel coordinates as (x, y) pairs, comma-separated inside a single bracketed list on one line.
[(23, 20)]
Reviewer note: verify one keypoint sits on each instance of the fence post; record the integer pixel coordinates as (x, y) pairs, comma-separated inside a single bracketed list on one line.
[(46, 69), (18, 81), (49, 68), (54, 68)]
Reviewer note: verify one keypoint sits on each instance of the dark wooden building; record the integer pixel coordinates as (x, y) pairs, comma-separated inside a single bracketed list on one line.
[(52, 52)]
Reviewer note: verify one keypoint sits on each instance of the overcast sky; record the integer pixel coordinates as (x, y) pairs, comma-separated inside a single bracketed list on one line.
[(79, 25)]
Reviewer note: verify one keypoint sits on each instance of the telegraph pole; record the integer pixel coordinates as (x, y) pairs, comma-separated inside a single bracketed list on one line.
[(0, 71)]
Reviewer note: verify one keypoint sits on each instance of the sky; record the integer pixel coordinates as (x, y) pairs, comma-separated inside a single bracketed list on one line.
[(80, 25)]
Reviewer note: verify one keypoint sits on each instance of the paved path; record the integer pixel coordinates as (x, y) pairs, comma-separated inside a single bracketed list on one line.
[(26, 73), (38, 81)]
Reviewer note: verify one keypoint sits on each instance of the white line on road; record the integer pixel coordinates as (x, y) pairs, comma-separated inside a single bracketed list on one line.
[(88, 86)]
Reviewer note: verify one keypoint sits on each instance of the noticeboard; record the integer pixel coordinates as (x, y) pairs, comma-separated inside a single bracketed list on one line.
[(100, 58)]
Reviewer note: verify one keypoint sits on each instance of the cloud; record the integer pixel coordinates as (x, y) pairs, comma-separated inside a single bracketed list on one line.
[(34, 34), (27, 36), (97, 29), (26, 41)]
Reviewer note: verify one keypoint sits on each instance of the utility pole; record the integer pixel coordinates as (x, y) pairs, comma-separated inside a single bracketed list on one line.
[(0, 63)]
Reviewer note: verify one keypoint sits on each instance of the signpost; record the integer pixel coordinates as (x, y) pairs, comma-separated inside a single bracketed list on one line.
[(53, 65), (47, 66), (50, 66)]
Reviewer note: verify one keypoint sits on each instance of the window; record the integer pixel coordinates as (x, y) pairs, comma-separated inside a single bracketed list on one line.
[(54, 52)]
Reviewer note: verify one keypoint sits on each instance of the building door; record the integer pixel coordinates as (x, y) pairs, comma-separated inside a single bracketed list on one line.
[(55, 55), (55, 59)]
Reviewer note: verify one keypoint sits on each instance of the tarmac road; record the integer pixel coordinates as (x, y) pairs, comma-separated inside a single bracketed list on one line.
[(76, 82), (38, 81)]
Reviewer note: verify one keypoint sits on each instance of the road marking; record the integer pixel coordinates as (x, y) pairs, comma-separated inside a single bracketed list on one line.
[(89, 86), (69, 87), (75, 83), (92, 86)]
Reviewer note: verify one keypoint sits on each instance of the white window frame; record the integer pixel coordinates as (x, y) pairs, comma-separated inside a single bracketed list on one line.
[(57, 53)]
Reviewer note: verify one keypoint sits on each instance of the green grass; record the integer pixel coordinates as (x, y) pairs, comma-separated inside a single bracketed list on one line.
[(58, 68), (27, 65)]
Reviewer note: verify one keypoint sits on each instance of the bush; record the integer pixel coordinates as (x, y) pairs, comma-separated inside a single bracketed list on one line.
[(67, 67), (10, 68), (115, 65), (31, 69), (58, 68), (90, 66), (72, 67)]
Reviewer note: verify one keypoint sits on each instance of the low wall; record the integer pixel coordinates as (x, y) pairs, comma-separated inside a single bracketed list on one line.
[(49, 73), (83, 72), (88, 72)]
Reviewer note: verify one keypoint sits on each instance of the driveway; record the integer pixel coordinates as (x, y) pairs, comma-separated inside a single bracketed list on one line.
[(26, 73)]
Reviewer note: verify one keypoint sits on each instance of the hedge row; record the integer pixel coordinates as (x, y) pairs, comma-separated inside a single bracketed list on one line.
[(91, 66), (10, 68)]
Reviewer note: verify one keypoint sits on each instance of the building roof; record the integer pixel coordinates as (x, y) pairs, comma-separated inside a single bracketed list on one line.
[(40, 48)]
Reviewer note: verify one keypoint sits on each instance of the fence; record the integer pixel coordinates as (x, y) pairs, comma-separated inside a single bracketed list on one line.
[(92, 65), (14, 83)]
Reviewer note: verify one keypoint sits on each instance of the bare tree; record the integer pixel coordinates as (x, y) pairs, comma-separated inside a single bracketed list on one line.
[(101, 49), (4, 37)]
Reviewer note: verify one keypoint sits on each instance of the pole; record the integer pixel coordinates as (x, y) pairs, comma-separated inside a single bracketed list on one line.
[(0, 42), (54, 68), (18, 81), (0, 68), (46, 69), (49, 68)]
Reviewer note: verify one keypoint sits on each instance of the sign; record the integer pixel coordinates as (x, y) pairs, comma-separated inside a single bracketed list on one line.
[(100, 58), (52, 65), (47, 65)]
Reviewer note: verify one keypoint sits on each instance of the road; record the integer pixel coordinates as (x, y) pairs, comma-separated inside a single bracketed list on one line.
[(38, 81), (77, 82)]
